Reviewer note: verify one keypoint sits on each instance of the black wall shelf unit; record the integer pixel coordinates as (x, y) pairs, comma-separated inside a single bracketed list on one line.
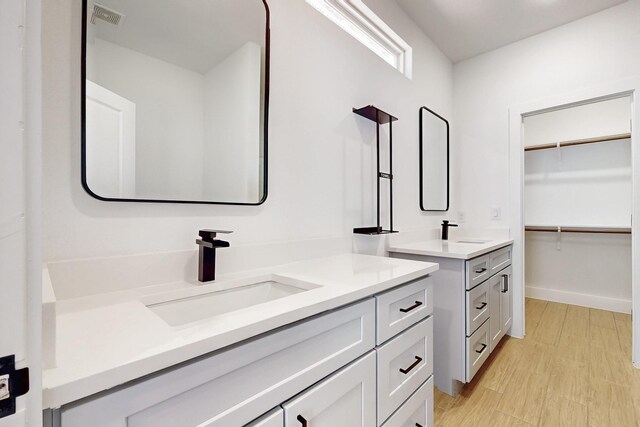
[(380, 118)]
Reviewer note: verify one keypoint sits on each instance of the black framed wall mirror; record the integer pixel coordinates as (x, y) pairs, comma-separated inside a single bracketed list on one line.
[(434, 161), (175, 100)]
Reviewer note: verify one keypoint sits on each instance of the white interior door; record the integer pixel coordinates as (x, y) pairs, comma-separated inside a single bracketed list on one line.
[(17, 346), (110, 143)]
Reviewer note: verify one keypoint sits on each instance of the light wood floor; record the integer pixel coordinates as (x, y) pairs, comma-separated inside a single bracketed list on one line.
[(572, 369)]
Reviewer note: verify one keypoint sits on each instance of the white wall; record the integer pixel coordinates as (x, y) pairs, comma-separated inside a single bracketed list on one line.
[(591, 51), (595, 119), (232, 118), (321, 158), (582, 269), (588, 185), (580, 185), (169, 130)]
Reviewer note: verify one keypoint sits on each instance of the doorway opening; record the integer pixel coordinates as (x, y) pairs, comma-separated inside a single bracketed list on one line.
[(572, 203), (577, 222)]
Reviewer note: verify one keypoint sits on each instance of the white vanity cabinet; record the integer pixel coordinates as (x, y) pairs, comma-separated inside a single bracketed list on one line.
[(322, 371), (472, 312)]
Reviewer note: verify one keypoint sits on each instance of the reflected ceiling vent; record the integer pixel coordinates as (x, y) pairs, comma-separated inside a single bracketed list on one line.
[(103, 13)]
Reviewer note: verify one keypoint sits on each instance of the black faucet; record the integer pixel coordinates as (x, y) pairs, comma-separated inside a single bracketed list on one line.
[(445, 229), (207, 256)]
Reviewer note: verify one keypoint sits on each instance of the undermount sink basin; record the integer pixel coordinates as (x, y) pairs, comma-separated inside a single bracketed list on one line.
[(474, 241), (182, 311)]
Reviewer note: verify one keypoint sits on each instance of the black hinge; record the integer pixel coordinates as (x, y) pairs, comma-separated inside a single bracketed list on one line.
[(13, 383)]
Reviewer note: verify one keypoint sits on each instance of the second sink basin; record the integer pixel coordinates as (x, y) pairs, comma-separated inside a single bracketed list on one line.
[(182, 311)]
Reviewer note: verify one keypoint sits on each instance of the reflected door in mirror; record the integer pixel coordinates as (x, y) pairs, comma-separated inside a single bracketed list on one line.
[(176, 100), (434, 161)]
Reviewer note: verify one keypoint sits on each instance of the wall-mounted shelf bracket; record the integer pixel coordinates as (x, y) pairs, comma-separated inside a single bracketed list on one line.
[(380, 118)]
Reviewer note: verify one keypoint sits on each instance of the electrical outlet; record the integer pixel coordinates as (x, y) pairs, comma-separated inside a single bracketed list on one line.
[(460, 217), (495, 214)]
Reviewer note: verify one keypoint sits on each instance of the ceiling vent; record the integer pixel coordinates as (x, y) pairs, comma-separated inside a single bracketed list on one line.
[(105, 14)]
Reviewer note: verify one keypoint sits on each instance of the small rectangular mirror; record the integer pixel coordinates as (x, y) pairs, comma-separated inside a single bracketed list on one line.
[(175, 98), (434, 161)]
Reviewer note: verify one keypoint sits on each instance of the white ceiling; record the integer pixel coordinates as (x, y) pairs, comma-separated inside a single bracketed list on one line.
[(466, 28), (193, 34)]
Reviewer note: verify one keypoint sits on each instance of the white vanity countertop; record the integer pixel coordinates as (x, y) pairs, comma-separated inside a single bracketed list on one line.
[(461, 248), (110, 339)]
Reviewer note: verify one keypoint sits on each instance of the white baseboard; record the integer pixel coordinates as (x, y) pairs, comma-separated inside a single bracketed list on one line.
[(584, 300)]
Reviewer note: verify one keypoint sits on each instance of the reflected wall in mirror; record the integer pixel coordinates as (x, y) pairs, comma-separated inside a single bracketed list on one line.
[(434, 161), (175, 100)]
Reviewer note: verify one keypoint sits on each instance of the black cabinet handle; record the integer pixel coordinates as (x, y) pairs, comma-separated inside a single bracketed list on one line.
[(413, 365), (414, 306), (483, 305), (481, 349), (418, 425), (505, 283), (482, 270), (302, 420)]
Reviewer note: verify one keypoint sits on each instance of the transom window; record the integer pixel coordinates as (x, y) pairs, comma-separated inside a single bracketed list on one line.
[(357, 19)]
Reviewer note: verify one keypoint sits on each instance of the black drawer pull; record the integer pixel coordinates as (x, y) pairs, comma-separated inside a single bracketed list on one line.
[(483, 305), (413, 365), (418, 425), (482, 270), (414, 306), (302, 420), (482, 349)]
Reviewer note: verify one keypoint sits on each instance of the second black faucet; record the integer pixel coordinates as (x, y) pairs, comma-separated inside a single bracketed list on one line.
[(445, 229)]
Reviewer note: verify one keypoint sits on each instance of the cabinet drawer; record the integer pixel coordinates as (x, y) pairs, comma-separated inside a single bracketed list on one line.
[(477, 306), (417, 411), (234, 386), (499, 260), (346, 398), (404, 363), (274, 418), (478, 270), (478, 349), (402, 307)]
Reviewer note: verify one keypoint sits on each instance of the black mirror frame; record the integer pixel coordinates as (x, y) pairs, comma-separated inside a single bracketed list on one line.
[(83, 117), (422, 163)]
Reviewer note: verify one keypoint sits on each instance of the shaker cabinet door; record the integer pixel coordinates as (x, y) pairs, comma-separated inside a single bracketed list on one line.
[(495, 304), (506, 303), (346, 398)]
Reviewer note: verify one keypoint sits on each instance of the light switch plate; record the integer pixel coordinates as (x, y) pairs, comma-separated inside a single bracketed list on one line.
[(495, 214)]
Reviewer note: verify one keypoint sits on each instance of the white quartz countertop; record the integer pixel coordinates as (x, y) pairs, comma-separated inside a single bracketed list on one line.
[(110, 339), (462, 248)]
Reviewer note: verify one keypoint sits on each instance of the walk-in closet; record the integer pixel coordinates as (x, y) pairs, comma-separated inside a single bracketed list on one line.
[(577, 213)]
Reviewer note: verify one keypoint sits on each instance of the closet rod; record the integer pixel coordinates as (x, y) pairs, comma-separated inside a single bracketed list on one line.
[(579, 142), (594, 230)]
